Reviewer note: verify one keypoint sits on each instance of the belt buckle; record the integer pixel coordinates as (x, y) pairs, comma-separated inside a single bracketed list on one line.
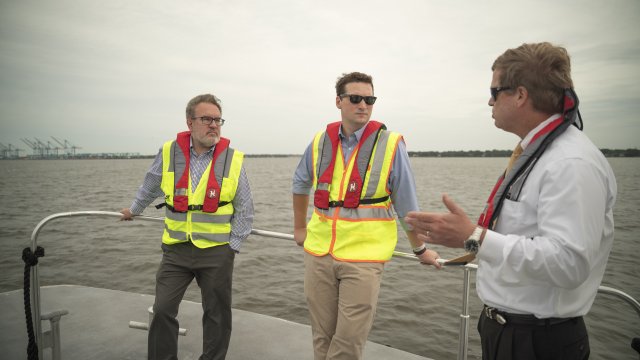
[(493, 314)]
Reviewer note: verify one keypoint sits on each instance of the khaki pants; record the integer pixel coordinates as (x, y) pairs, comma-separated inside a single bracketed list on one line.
[(342, 299)]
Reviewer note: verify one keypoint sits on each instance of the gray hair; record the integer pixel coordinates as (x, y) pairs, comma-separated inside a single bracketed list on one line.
[(204, 98)]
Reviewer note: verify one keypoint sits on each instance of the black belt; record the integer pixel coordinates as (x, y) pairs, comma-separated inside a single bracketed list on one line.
[(361, 202), (503, 318), (190, 207)]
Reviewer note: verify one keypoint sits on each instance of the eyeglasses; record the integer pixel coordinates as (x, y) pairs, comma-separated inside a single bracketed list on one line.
[(496, 90), (355, 99), (207, 120)]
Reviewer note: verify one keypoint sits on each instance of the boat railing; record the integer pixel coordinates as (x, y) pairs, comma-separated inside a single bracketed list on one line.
[(53, 339)]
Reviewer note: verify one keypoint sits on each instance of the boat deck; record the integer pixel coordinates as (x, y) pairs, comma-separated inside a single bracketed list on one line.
[(97, 327)]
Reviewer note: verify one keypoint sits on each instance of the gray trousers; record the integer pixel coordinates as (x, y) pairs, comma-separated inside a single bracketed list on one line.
[(213, 270)]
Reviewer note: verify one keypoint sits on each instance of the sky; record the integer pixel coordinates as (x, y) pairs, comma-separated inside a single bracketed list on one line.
[(115, 76)]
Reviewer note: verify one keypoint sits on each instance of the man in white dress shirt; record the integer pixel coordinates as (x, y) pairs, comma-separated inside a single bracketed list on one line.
[(543, 241)]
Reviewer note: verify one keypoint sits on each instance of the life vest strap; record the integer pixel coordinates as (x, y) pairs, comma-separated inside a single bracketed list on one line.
[(362, 201), (356, 180), (190, 207)]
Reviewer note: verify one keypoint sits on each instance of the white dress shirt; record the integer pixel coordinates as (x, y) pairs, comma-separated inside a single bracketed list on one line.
[(549, 250)]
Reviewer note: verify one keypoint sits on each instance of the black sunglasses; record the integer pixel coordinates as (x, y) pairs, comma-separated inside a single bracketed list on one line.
[(496, 90), (355, 99)]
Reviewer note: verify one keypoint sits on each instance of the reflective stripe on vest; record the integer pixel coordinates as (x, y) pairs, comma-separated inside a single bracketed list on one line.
[(203, 228), (367, 233)]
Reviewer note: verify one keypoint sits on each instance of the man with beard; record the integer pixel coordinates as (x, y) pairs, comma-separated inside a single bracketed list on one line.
[(209, 212)]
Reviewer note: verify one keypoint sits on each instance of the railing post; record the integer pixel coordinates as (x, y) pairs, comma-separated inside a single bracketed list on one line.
[(463, 337)]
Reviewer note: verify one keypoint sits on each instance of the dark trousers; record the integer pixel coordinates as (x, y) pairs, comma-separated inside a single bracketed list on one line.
[(213, 270), (567, 340)]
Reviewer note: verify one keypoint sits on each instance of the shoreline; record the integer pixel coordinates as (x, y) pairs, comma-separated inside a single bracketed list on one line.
[(609, 153)]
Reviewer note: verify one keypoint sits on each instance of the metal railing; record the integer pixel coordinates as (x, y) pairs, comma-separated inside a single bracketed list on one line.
[(464, 315)]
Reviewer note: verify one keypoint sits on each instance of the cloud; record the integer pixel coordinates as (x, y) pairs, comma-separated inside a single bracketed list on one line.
[(116, 76)]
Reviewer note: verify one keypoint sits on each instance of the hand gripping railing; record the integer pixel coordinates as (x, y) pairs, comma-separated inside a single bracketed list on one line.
[(464, 315), (53, 339)]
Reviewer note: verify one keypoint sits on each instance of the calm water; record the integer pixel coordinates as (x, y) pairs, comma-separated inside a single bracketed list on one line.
[(418, 309)]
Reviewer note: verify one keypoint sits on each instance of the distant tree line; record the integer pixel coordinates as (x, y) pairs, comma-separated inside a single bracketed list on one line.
[(269, 155), (621, 152), (507, 153), (462, 153), (454, 153)]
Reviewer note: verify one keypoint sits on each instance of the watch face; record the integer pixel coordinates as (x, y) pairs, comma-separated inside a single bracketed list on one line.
[(471, 246)]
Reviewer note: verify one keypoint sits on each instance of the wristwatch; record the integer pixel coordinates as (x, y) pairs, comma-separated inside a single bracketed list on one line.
[(420, 249), (472, 244)]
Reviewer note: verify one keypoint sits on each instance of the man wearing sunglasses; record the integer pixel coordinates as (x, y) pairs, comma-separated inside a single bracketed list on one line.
[(209, 213), (543, 240), (358, 172)]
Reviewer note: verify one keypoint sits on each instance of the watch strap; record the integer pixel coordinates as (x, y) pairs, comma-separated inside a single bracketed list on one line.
[(476, 234), (420, 249)]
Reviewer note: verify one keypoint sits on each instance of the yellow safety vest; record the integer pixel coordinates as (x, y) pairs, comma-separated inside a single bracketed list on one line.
[(367, 233), (204, 229)]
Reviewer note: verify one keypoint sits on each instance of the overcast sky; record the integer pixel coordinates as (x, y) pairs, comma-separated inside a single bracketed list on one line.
[(115, 76)]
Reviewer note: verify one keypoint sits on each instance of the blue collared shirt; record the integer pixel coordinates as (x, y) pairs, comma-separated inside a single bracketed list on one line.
[(401, 181), (242, 219)]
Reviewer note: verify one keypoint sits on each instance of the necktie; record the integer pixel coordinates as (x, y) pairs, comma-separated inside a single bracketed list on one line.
[(514, 156)]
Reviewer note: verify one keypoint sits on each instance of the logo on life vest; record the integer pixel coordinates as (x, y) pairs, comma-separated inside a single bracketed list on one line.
[(212, 194), (352, 187)]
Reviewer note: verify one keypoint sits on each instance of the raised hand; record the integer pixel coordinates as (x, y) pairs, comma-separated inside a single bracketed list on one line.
[(449, 229)]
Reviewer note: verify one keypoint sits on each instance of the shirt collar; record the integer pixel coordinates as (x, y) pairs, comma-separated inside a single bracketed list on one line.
[(194, 152), (358, 133), (527, 139)]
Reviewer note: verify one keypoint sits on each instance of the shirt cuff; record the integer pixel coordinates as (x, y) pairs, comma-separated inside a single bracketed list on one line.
[(301, 190), (136, 209), (491, 248)]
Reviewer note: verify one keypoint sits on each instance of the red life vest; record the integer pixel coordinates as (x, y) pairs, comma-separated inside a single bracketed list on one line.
[(537, 146), (181, 191), (354, 189)]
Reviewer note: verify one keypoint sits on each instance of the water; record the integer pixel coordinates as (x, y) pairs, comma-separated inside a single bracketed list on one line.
[(418, 309)]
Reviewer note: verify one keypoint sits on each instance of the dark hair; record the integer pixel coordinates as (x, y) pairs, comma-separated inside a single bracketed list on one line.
[(205, 98), (350, 78), (542, 68)]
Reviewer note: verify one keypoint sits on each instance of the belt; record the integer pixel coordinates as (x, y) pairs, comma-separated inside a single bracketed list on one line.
[(502, 318)]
